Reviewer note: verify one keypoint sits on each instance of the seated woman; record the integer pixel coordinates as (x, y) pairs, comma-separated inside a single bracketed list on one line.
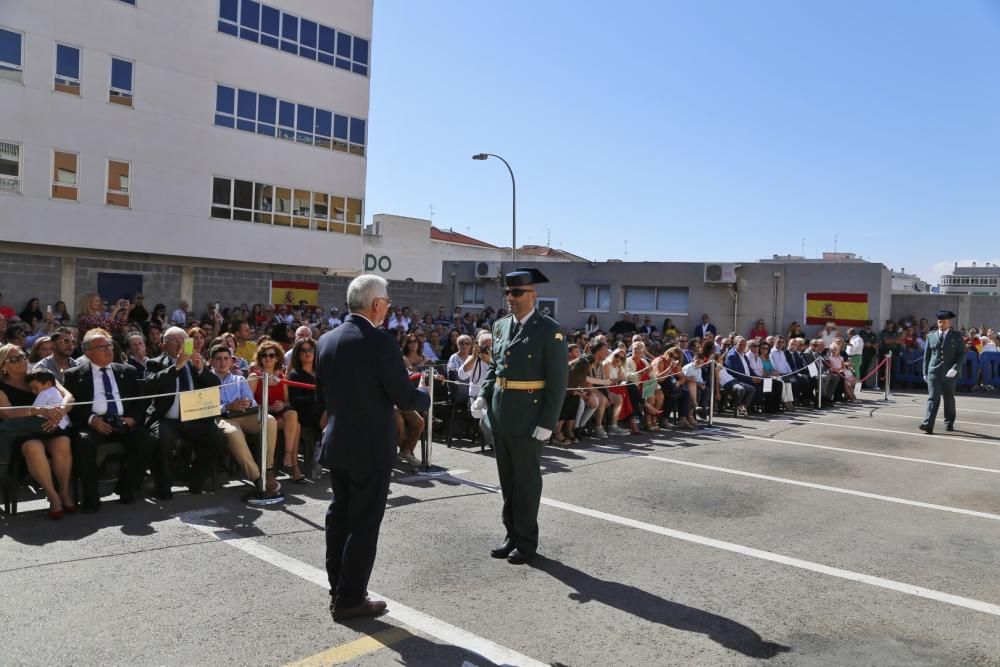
[(839, 367), (271, 360), (779, 388), (621, 406), (409, 423), (303, 400), (675, 386), (48, 440)]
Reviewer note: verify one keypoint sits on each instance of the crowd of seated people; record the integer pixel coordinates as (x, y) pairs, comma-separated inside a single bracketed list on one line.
[(627, 376)]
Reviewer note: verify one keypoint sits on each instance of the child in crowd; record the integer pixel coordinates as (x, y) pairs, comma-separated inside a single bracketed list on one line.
[(42, 383)]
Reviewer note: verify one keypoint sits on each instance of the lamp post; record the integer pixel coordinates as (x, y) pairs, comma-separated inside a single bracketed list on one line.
[(513, 185)]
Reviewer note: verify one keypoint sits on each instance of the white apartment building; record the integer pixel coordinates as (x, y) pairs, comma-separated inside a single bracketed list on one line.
[(185, 133)]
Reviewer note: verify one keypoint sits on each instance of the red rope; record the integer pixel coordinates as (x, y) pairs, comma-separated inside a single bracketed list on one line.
[(875, 370)]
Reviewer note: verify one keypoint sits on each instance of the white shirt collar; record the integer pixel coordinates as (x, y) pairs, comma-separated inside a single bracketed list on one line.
[(375, 326), (525, 318)]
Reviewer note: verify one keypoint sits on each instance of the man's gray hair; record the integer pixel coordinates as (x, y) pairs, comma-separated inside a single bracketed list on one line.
[(364, 289), (133, 336), (175, 332), (93, 335)]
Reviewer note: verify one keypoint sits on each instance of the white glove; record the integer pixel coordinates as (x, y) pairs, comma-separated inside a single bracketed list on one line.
[(952, 373), (478, 407), (542, 434), (925, 380)]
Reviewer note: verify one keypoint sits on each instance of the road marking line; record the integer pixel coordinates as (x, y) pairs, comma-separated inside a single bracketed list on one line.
[(963, 422), (858, 451), (811, 485), (880, 582), (418, 620), (898, 586), (338, 655), (993, 442), (922, 407)]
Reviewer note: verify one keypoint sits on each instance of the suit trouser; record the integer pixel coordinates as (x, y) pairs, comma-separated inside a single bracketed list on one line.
[(936, 388), (519, 460), (743, 392), (352, 525), (139, 446), (235, 429), (204, 436)]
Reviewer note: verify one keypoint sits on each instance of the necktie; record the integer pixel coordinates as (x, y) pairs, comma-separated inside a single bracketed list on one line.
[(109, 394), (515, 329), (184, 380)]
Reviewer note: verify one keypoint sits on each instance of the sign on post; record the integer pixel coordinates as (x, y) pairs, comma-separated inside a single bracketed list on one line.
[(200, 403)]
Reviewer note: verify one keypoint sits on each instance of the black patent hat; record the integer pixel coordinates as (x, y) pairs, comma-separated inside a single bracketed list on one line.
[(521, 277), (945, 315)]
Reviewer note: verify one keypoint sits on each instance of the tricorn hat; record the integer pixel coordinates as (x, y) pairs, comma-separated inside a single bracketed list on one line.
[(945, 315), (521, 277)]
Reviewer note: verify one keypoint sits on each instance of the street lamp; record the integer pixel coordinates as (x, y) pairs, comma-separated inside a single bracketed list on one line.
[(513, 185)]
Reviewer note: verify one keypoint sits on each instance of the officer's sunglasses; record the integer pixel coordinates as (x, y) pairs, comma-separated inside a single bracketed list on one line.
[(516, 291)]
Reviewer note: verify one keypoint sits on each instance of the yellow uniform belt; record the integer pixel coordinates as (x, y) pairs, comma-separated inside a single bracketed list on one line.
[(522, 385)]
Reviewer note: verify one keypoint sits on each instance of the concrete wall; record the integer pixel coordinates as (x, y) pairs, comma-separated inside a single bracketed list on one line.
[(971, 311), (169, 136), (25, 276)]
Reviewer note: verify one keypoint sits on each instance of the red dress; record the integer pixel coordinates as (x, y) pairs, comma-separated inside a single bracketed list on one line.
[(275, 393)]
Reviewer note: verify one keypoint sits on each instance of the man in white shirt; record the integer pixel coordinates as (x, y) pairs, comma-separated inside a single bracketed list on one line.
[(855, 349), (334, 320), (179, 316)]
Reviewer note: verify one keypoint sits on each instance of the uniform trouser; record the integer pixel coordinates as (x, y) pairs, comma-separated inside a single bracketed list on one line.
[(235, 429), (936, 388), (352, 524), (519, 466), (139, 445)]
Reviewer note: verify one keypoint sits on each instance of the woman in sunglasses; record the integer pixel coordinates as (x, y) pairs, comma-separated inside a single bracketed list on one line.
[(271, 360), (37, 447)]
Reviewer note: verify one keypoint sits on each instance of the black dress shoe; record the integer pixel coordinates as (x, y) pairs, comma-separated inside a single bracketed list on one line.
[(90, 508), (517, 557), (503, 549), (926, 428), (127, 498), (367, 607), (164, 494), (949, 427)]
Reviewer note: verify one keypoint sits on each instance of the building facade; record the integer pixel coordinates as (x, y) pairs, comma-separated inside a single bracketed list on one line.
[(183, 135), (973, 280)]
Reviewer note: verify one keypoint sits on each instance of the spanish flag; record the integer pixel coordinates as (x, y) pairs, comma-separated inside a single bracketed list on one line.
[(290, 292), (846, 308)]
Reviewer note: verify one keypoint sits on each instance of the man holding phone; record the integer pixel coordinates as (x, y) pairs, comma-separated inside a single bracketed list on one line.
[(179, 369)]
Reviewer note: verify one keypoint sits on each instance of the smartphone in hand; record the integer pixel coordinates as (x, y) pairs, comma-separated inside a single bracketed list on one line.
[(189, 347)]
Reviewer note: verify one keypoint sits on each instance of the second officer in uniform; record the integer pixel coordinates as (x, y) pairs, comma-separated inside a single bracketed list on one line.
[(522, 394)]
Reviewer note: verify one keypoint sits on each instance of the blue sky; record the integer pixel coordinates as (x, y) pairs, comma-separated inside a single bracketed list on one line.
[(715, 131)]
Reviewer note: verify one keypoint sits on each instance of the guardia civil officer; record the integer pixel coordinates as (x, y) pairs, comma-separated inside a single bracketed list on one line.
[(943, 358), (523, 392)]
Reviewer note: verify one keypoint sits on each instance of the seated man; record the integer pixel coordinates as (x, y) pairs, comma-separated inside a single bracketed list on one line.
[(830, 382), (63, 343), (174, 372), (240, 416), (107, 419), (739, 367), (743, 392)]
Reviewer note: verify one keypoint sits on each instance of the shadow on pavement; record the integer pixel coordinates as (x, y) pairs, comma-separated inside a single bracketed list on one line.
[(723, 631), (414, 649)]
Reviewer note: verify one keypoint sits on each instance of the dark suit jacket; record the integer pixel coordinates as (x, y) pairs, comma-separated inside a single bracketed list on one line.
[(79, 381), (735, 367), (161, 377), (360, 377), (698, 330)]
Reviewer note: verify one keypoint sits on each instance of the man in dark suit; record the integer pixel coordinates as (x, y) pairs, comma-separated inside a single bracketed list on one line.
[(705, 328), (107, 419), (944, 355), (174, 371), (522, 394), (360, 378), (738, 365)]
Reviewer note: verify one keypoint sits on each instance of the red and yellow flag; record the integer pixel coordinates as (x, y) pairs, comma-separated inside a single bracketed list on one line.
[(846, 308), (290, 292)]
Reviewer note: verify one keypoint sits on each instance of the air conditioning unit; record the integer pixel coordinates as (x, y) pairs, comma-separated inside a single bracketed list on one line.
[(487, 270), (720, 273)]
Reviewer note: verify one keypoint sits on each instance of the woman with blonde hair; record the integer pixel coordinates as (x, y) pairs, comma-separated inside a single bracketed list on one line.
[(91, 314), (48, 440)]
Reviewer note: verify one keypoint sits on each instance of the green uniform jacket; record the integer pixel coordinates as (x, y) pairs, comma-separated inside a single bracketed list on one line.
[(537, 352), (938, 360)]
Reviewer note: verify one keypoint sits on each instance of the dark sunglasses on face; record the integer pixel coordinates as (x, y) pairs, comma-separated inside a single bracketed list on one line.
[(16, 358), (269, 355), (307, 349), (516, 291)]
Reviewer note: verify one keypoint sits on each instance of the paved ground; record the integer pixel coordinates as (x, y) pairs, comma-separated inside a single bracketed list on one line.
[(842, 537)]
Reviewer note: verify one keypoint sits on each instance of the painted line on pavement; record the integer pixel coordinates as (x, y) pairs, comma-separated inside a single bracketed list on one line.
[(993, 442), (880, 582), (858, 451), (810, 485), (338, 655), (924, 407), (423, 623), (963, 422)]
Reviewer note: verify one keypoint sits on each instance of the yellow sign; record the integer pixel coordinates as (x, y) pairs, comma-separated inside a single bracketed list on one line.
[(200, 403)]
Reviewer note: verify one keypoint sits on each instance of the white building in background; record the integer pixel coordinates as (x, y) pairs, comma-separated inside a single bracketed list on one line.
[(401, 248), (977, 280), (908, 283), (196, 132)]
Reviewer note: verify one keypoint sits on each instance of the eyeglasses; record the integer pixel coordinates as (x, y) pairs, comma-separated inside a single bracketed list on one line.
[(516, 291), (16, 358), (102, 348), (307, 349), (388, 302), (268, 355)]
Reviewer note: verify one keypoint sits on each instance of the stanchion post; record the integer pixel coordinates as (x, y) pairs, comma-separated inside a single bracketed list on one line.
[(263, 433), (819, 384), (430, 422), (711, 398), (888, 376)]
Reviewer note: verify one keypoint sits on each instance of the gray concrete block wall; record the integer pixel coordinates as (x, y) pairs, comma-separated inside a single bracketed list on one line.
[(161, 283), (25, 276)]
